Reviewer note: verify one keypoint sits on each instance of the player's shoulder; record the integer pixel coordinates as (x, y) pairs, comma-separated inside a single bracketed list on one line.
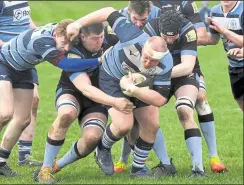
[(216, 8)]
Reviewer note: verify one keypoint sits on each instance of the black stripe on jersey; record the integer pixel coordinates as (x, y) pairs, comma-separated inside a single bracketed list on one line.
[(27, 37), (232, 16), (10, 54), (16, 45), (8, 11), (217, 14), (238, 32)]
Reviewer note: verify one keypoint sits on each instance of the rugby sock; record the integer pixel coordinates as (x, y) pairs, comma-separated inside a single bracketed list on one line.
[(125, 151), (24, 149), (4, 155), (51, 151), (141, 152), (108, 139), (208, 130), (194, 144), (160, 148), (71, 156)]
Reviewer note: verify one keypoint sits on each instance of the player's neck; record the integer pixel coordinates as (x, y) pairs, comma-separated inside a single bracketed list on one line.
[(227, 9)]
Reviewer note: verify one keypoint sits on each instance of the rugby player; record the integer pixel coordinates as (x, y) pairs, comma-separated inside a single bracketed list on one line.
[(11, 25), (135, 52), (226, 22)]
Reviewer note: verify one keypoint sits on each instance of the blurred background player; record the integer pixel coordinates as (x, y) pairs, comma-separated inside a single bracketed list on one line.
[(14, 19), (204, 13)]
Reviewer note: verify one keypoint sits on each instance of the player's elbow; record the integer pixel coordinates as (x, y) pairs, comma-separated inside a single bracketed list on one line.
[(159, 102)]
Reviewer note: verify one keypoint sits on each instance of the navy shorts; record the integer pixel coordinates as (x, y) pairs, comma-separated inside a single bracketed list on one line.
[(19, 79), (87, 106), (111, 86), (236, 80), (176, 83), (35, 76)]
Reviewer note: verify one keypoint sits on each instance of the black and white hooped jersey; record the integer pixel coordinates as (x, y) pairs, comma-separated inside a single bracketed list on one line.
[(186, 44), (233, 21), (30, 48), (14, 18), (125, 56)]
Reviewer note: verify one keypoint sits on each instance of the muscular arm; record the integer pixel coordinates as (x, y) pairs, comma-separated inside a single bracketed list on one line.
[(185, 67), (149, 96), (83, 83), (233, 37)]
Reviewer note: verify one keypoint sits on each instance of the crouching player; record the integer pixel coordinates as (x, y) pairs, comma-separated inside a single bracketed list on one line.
[(76, 97), (136, 52)]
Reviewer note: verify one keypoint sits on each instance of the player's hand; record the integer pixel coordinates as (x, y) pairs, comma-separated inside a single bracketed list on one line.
[(127, 84), (1, 42), (236, 52), (215, 25), (123, 105), (73, 30)]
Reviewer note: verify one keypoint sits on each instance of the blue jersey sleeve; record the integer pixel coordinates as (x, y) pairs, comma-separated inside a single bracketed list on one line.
[(242, 22), (124, 29)]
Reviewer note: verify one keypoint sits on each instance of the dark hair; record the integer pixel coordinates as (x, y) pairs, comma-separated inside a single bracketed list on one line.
[(170, 22), (140, 7), (95, 28)]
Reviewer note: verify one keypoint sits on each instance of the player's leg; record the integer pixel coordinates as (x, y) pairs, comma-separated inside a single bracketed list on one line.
[(93, 124), (26, 138), (21, 119), (6, 113), (206, 121), (68, 110), (148, 118), (120, 126), (186, 96)]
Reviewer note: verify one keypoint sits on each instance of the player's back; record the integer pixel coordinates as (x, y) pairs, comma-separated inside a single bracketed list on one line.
[(14, 18), (29, 48)]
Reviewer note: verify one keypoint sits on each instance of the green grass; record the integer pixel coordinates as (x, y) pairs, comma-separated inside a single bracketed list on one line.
[(228, 118)]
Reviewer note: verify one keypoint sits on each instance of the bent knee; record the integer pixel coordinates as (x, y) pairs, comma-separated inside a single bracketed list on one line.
[(184, 107), (65, 118), (6, 117)]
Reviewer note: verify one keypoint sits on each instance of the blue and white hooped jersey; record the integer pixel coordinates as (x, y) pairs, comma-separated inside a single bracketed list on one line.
[(125, 56), (30, 48), (233, 22), (14, 18), (154, 13)]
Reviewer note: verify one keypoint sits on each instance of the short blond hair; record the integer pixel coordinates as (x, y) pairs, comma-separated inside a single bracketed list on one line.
[(60, 28)]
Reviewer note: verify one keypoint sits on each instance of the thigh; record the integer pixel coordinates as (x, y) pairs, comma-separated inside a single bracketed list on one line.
[(6, 98), (22, 104), (189, 91), (147, 116)]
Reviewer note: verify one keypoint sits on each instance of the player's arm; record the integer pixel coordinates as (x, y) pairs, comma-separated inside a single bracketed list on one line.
[(161, 86), (192, 14), (94, 17), (188, 54), (83, 83), (236, 52), (233, 37)]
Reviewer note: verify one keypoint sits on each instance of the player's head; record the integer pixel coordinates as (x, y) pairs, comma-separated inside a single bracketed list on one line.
[(92, 36), (153, 51), (63, 44), (228, 4), (139, 11), (169, 24)]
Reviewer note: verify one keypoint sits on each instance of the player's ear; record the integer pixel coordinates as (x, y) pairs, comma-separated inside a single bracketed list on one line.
[(54, 34)]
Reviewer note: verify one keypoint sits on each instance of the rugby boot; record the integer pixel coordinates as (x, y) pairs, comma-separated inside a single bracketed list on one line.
[(143, 173), (216, 165), (8, 172), (29, 161), (103, 158), (119, 167), (44, 176), (197, 173), (164, 169)]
